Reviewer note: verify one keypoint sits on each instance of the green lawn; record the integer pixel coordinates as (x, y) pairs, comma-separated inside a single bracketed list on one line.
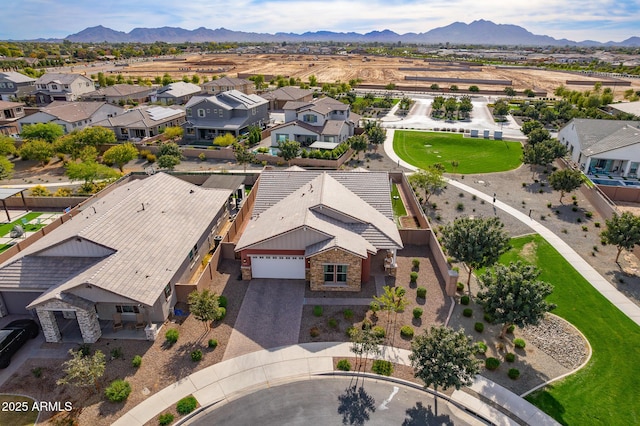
[(607, 390), (398, 205), (474, 155), (7, 227), (15, 415)]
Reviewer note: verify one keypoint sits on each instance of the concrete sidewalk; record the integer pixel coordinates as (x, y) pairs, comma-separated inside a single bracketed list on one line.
[(266, 368), (625, 305)]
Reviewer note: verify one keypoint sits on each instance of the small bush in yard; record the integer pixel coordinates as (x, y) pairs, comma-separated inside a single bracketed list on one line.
[(314, 332), (406, 331), (513, 373), (172, 336), (348, 314), (421, 292), (479, 327), (417, 313), (415, 263), (343, 365), (136, 361), (332, 322), (488, 318), (382, 367), (465, 300), (212, 343), (118, 390), (374, 306), (467, 312), (510, 357), (317, 311), (351, 331), (116, 353), (165, 419), (222, 312), (460, 286), (413, 277), (186, 405), (481, 347), (492, 363), (379, 331), (511, 328), (222, 301), (519, 343), (366, 324), (196, 355)]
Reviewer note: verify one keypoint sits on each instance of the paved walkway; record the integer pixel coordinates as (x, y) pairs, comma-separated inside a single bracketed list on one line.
[(267, 368), (629, 308)]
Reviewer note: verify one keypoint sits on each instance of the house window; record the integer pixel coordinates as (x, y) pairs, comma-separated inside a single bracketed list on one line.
[(167, 291), (188, 112), (193, 253), (127, 309), (309, 118), (191, 131), (253, 111), (54, 87), (281, 137), (2, 85), (335, 274), (200, 112)]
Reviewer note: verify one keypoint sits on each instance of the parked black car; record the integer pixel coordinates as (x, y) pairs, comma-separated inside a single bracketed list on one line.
[(13, 336)]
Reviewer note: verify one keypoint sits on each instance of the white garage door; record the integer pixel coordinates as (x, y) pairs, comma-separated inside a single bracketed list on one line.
[(270, 266)]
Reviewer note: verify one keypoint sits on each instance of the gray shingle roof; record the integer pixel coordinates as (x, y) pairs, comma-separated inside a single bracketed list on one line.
[(141, 118), (625, 136), (592, 131), (60, 78), (119, 90), (16, 77)]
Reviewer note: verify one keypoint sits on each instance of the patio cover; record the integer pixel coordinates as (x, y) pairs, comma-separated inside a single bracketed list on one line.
[(10, 192)]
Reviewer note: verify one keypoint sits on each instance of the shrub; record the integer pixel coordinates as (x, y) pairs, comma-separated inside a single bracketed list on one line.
[(549, 205), (460, 207), (366, 324), (519, 343), (202, 157), (585, 228), (596, 224), (317, 311), (465, 299), (460, 286), (481, 347), (510, 357), (514, 373), (479, 327), (416, 263), (488, 318), (37, 372), (172, 336), (467, 312), (406, 331), (116, 353), (511, 328), (165, 419), (382, 367), (151, 158), (379, 331), (212, 343), (222, 312), (186, 405), (85, 349), (222, 301), (196, 355), (492, 363), (343, 365), (351, 331), (589, 214), (417, 313), (332, 322), (414, 277), (314, 332), (421, 292), (348, 314), (136, 361), (118, 390), (374, 306)]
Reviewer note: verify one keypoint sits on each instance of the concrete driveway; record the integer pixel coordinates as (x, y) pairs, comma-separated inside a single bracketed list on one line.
[(269, 317)]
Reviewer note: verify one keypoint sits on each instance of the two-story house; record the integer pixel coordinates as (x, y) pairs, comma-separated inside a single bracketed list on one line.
[(15, 86), (228, 112), (10, 113), (120, 94), (278, 98), (72, 115), (225, 84), (144, 122), (322, 120), (177, 93), (62, 87)]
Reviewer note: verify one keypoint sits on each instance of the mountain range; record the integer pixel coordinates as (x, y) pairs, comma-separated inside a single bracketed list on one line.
[(478, 32)]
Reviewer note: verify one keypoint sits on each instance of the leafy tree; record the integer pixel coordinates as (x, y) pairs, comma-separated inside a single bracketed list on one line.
[(622, 231), (94, 136), (477, 242), (6, 168), (166, 79), (195, 79), (255, 135), (224, 140), (174, 132), (509, 91), (530, 93), (500, 108), (450, 106), (543, 153), (258, 80), (364, 343), (392, 300), (204, 306), (83, 371), (438, 103), (90, 171), (513, 295), (465, 106), (453, 88), (435, 86), (443, 357), (358, 143), (40, 191), (88, 153), (313, 80), (429, 180), (531, 125), (289, 150), (565, 180), (168, 161), (38, 150), (538, 135), (376, 135), (474, 89), (169, 148), (42, 131), (7, 146), (243, 155), (120, 154)]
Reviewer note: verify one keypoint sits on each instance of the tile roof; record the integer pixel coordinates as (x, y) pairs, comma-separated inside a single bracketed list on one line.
[(7, 104), (227, 81), (287, 93), (179, 89), (72, 111), (28, 272), (119, 90), (60, 78), (591, 131), (625, 136), (143, 117), (16, 77)]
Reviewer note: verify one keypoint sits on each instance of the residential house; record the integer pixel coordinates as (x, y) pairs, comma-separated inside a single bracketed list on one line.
[(62, 87), (319, 226), (15, 86), (119, 258), (610, 147), (10, 113), (279, 97), (224, 84), (227, 112), (144, 122), (72, 115), (322, 120), (120, 94), (177, 93)]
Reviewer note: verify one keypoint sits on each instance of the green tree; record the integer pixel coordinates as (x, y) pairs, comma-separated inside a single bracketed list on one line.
[(89, 171), (509, 91), (363, 344), (358, 143), (474, 89), (120, 154), (465, 106), (174, 132), (435, 86), (376, 135), (40, 191), (443, 357), (565, 180), (477, 242), (622, 231), (450, 106), (38, 150), (313, 80), (430, 181), (7, 146), (6, 168), (513, 295), (42, 131), (195, 79), (453, 88), (258, 80), (531, 125), (538, 135), (243, 155), (392, 300), (94, 136), (169, 148), (543, 153), (224, 140), (166, 79), (204, 306), (438, 103), (83, 371), (500, 108), (289, 150), (168, 161)]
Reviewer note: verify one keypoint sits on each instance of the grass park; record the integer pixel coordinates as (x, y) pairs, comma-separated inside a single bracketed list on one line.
[(473, 155), (607, 390)]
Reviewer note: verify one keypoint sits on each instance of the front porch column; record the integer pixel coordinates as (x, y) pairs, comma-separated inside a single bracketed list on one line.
[(3, 308), (627, 168), (49, 326), (89, 325)]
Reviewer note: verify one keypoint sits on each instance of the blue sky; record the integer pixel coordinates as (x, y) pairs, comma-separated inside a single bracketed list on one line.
[(601, 20)]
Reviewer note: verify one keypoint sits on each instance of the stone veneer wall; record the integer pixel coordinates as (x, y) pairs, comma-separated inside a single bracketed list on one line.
[(87, 320), (338, 257)]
